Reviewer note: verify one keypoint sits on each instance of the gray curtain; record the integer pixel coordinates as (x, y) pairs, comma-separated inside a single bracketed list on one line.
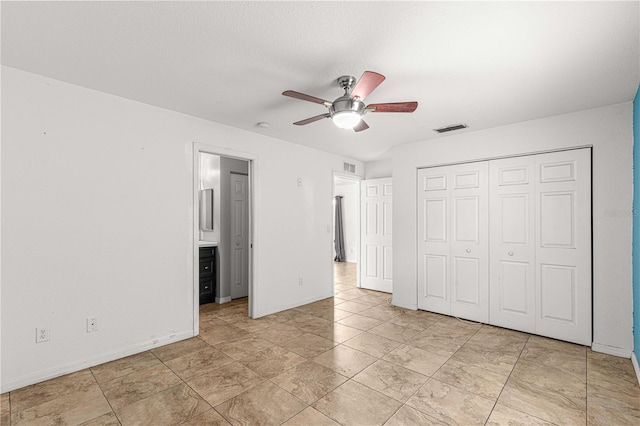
[(339, 237)]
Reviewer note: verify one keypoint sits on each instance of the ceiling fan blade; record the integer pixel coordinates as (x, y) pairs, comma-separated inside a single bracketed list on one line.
[(302, 96), (361, 126), (311, 120), (367, 84), (393, 107)]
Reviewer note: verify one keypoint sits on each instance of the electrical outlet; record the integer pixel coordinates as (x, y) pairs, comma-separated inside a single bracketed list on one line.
[(42, 335), (300, 281), (92, 325)]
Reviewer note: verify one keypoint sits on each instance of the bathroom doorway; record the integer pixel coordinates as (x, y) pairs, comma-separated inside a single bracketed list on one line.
[(223, 228)]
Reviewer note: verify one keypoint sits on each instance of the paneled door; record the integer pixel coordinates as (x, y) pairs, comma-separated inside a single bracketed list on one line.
[(512, 248), (453, 240), (376, 254), (563, 245), (239, 236)]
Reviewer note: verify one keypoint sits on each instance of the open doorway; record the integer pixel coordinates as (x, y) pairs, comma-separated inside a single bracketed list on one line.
[(346, 231), (223, 226)]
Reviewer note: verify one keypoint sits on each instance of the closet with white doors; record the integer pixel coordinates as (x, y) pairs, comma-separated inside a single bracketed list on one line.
[(508, 242)]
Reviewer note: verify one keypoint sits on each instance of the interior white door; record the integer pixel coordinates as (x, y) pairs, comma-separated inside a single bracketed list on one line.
[(470, 241), (453, 240), (239, 236), (512, 246), (563, 245), (434, 243), (376, 253)]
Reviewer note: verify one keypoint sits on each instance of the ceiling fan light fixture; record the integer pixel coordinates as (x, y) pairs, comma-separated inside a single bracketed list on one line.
[(346, 119)]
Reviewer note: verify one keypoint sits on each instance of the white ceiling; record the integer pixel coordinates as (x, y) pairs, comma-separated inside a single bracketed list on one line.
[(484, 64)]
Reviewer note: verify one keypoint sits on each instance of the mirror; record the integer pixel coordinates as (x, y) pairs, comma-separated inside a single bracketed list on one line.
[(206, 209)]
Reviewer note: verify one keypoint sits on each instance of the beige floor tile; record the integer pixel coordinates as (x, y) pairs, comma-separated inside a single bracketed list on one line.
[(470, 378), (353, 306), (390, 379), (449, 321), (552, 378), (505, 344), (567, 361), (544, 342), (611, 415), (382, 312), (305, 320), (410, 416), (503, 415), (489, 359), (138, 385), (415, 359), (351, 294), (5, 409), (395, 332), (370, 300), (360, 322), (309, 381), (265, 404), (442, 340), (310, 417), (280, 333), (71, 408), (338, 333), (33, 395), (317, 325), (169, 407), (356, 404), (122, 367), (372, 344), (614, 393), (450, 404), (345, 360), (175, 350), (336, 315), (224, 383), (200, 362), (537, 401), (412, 321), (208, 418), (108, 419), (284, 316), (309, 345), (272, 361), (222, 334), (243, 347)]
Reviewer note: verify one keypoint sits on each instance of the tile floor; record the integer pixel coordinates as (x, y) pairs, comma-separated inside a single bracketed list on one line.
[(351, 360)]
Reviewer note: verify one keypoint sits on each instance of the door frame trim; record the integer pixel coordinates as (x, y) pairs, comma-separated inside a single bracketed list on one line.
[(252, 159)]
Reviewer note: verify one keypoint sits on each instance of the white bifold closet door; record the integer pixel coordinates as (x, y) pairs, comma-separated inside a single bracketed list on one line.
[(376, 251), (453, 240), (508, 242)]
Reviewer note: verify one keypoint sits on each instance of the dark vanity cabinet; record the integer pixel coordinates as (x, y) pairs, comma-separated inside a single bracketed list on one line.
[(207, 274)]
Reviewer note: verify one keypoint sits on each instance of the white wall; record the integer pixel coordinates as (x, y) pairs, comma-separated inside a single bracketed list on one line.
[(350, 210), (97, 220), (609, 130), (378, 169)]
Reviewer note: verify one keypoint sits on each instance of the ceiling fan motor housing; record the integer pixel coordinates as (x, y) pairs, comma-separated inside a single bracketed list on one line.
[(347, 104)]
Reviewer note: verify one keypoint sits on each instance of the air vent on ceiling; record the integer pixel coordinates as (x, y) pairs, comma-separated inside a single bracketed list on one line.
[(348, 167), (450, 128)]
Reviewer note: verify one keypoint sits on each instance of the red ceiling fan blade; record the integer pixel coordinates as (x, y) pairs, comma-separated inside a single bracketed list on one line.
[(302, 96), (311, 120), (367, 84), (361, 126), (393, 107)]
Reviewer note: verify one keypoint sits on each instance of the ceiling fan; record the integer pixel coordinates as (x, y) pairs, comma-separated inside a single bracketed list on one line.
[(346, 111)]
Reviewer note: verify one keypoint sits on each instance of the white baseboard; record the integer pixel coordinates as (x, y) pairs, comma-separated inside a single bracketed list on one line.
[(222, 300), (636, 367), (72, 367), (280, 308), (611, 350)]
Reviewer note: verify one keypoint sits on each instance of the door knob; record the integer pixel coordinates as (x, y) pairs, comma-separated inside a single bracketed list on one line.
[(510, 253), (468, 250)]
